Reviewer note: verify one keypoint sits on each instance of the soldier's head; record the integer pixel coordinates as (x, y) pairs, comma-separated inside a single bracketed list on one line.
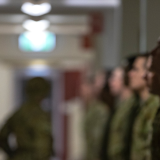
[(37, 88), (99, 81), (116, 81), (137, 74), (153, 70), (86, 89), (92, 84)]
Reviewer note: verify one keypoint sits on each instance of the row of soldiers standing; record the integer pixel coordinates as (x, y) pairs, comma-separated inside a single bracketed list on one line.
[(130, 130)]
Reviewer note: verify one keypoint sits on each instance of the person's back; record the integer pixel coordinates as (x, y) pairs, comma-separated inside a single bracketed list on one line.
[(31, 127)]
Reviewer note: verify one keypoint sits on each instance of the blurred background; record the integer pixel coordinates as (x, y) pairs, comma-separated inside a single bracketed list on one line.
[(63, 40)]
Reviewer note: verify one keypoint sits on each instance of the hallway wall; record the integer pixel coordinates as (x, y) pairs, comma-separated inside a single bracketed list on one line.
[(6, 91)]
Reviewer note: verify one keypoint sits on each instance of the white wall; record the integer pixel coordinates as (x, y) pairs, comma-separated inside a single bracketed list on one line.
[(107, 43), (153, 23), (111, 38), (6, 95), (130, 27), (6, 91)]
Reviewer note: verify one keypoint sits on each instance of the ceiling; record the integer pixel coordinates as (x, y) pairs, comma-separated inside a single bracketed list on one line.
[(61, 6), (67, 17)]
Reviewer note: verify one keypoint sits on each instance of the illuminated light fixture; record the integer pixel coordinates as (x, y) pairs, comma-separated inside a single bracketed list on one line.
[(36, 26), (36, 9), (38, 62), (37, 41), (38, 67), (38, 70)]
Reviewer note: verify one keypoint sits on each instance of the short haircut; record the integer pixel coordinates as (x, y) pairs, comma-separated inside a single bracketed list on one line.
[(37, 86), (131, 59), (145, 55)]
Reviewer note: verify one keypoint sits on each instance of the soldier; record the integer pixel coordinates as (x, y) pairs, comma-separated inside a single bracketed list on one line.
[(121, 120), (95, 118), (142, 128), (30, 125), (153, 79)]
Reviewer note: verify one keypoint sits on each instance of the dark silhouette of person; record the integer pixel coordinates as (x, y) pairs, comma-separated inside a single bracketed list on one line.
[(30, 125)]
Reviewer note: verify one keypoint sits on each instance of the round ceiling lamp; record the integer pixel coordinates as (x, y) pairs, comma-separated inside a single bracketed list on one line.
[(36, 26), (36, 9)]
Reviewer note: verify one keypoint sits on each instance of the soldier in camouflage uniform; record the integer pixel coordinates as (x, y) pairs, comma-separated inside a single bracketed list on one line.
[(142, 128), (30, 125), (94, 121), (153, 79), (120, 124)]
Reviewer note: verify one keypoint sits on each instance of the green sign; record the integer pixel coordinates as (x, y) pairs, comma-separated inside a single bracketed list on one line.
[(37, 41)]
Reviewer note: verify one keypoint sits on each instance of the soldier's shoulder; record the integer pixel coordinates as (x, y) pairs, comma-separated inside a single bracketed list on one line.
[(102, 109), (154, 99), (12, 118), (100, 105)]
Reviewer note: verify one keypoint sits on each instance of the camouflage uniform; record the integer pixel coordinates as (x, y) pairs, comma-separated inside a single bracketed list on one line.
[(95, 120), (32, 128), (120, 126), (155, 145), (142, 129)]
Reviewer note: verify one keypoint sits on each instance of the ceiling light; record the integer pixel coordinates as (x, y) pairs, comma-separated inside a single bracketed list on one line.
[(38, 67), (37, 41), (36, 9), (38, 62), (36, 26), (38, 70)]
